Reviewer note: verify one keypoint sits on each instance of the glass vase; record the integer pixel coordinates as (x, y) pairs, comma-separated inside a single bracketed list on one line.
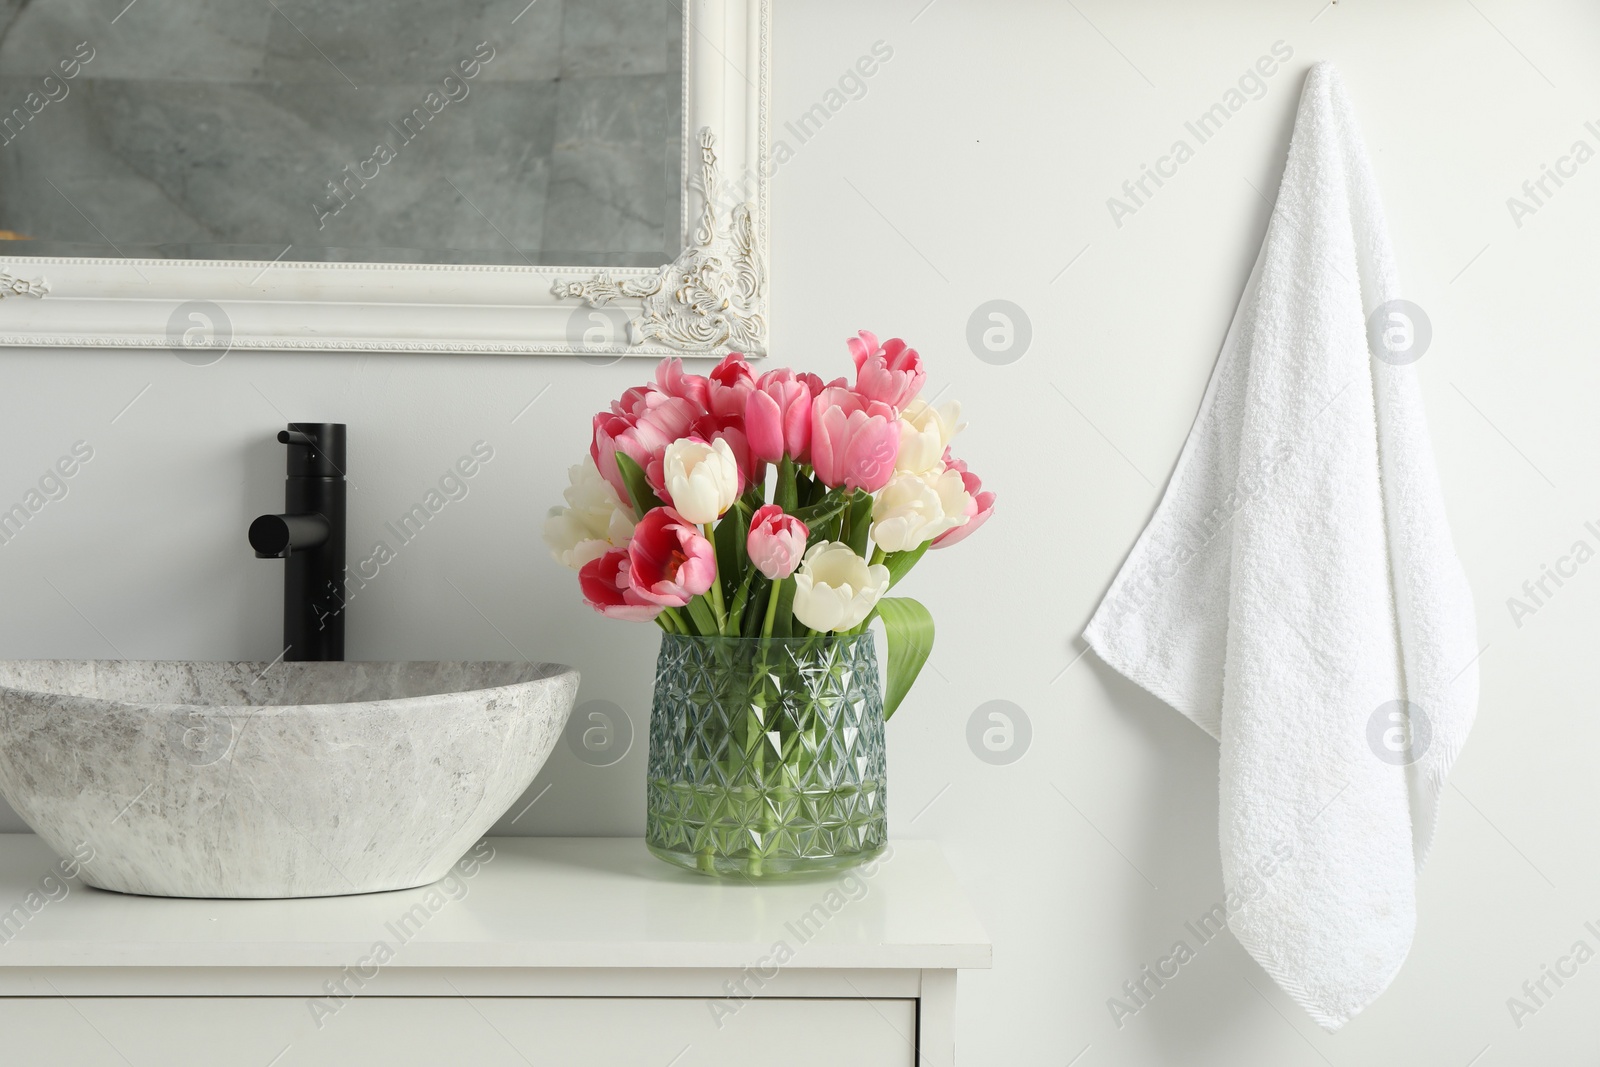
[(766, 755)]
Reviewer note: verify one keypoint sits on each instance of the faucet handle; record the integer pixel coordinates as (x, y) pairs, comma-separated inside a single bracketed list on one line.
[(316, 449)]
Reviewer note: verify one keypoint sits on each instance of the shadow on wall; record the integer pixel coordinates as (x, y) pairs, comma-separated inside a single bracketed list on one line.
[(1179, 817)]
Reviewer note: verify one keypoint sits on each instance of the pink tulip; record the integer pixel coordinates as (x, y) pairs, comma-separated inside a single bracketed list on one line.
[(978, 511), (669, 561), (777, 417), (642, 424), (816, 384), (854, 441), (731, 382), (776, 542), (892, 373), (604, 582), (671, 379), (750, 468)]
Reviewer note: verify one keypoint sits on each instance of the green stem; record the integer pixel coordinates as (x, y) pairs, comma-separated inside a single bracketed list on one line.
[(772, 608), (717, 605), (878, 555), (736, 612)]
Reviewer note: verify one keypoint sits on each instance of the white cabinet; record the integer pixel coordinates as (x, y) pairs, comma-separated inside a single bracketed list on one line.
[(557, 951), (430, 1031)]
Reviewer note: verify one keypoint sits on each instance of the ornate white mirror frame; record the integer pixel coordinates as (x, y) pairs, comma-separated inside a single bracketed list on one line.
[(710, 300)]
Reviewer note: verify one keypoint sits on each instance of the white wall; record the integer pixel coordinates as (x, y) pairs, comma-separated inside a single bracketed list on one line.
[(976, 167)]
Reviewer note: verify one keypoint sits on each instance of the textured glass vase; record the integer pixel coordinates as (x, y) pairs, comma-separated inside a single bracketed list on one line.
[(766, 755)]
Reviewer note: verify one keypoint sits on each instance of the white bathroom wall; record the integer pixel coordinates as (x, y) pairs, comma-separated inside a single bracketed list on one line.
[(977, 167)]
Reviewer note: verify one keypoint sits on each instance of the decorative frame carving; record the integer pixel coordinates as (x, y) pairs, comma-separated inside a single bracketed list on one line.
[(12, 285), (711, 300), (711, 297)]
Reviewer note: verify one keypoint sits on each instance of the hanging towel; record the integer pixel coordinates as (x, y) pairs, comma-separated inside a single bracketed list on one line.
[(1297, 594)]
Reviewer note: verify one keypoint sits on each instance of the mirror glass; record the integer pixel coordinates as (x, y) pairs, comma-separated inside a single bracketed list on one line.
[(398, 131)]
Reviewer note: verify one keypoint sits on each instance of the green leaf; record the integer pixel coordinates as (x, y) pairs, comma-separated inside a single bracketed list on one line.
[(834, 502), (731, 536), (858, 523), (901, 562), (704, 620), (783, 620), (811, 490), (643, 497), (824, 517), (755, 609), (909, 628), (736, 609), (787, 493)]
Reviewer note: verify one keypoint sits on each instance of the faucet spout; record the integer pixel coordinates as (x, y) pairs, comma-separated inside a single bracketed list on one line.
[(276, 536)]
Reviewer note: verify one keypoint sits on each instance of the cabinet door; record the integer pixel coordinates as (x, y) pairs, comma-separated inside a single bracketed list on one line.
[(481, 1031)]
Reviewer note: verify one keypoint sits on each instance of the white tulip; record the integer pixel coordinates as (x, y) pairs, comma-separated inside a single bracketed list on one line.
[(835, 589), (701, 479), (594, 520), (914, 508), (925, 432)]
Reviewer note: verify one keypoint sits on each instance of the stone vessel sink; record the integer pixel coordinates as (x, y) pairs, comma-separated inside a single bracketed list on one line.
[(271, 780)]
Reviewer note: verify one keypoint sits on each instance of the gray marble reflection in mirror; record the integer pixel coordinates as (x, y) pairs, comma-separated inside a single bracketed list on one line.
[(399, 131)]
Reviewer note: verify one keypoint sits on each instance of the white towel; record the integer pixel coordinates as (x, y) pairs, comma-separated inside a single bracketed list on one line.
[(1298, 582)]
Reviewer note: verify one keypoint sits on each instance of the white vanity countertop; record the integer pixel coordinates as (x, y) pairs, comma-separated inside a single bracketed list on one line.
[(534, 903)]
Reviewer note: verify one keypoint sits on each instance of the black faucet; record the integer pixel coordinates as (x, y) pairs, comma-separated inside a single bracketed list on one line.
[(309, 538)]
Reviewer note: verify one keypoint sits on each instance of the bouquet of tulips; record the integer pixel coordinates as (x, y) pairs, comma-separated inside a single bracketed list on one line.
[(776, 505)]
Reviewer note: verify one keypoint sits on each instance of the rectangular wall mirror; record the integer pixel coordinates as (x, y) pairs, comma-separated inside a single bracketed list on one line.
[(560, 176)]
